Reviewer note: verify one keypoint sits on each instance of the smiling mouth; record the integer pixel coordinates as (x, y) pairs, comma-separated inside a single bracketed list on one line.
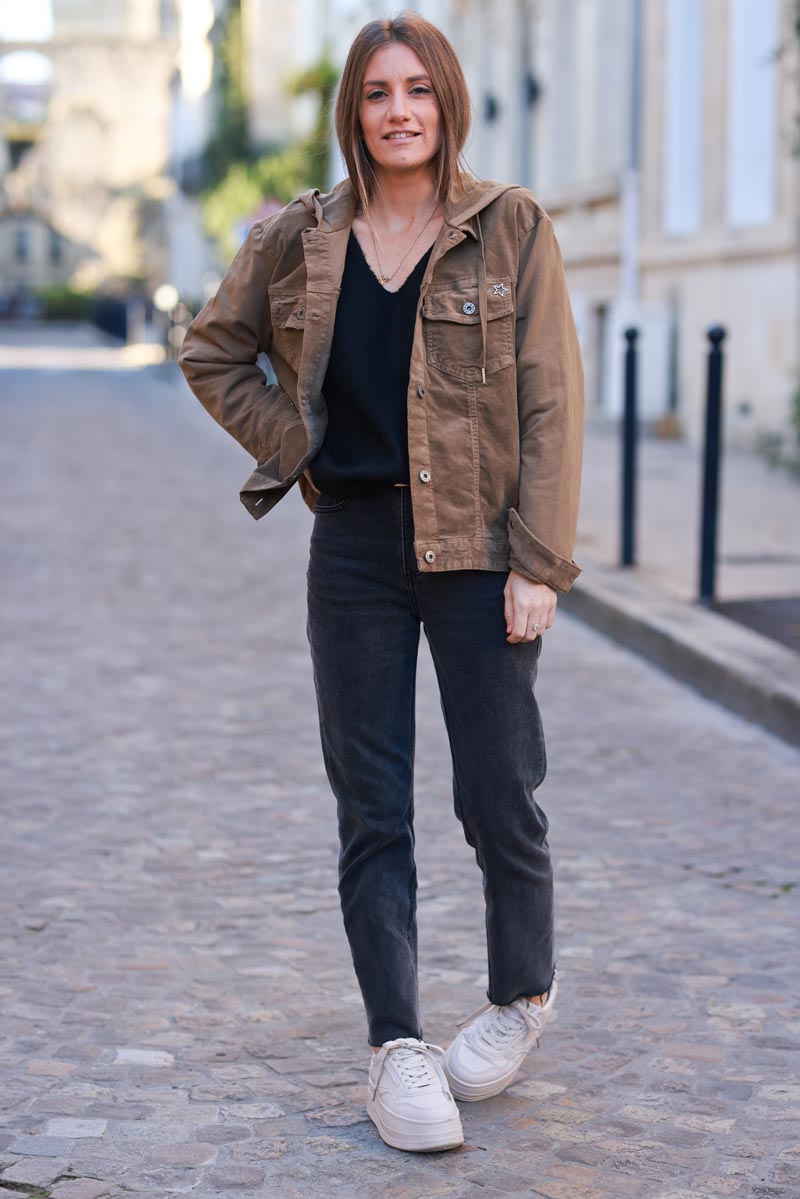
[(399, 137)]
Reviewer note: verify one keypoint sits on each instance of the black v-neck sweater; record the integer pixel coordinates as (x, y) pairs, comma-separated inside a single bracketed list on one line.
[(365, 388)]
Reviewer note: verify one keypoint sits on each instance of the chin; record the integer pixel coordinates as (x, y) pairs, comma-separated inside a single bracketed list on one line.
[(417, 158)]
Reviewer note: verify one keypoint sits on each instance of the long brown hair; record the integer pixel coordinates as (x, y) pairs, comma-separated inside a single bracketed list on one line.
[(439, 58)]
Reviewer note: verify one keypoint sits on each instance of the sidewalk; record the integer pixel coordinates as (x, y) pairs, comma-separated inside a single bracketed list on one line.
[(69, 345), (759, 518), (652, 607)]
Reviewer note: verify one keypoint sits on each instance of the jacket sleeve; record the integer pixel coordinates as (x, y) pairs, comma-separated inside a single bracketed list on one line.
[(219, 351), (550, 396)]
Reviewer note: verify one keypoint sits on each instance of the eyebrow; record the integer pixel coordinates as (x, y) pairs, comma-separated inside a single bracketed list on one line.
[(383, 82)]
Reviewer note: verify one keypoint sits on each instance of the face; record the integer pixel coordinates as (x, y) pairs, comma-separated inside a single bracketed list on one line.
[(397, 97)]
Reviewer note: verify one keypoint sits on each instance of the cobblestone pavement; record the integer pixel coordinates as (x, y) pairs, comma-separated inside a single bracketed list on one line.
[(178, 1012)]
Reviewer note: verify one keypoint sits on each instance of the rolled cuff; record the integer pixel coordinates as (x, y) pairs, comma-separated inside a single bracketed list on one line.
[(531, 557)]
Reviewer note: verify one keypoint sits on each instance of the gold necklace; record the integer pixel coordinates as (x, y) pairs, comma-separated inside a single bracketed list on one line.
[(383, 278)]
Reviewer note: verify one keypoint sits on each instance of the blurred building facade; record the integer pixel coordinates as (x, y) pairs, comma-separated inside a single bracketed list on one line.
[(91, 163), (667, 161), (99, 111), (190, 259)]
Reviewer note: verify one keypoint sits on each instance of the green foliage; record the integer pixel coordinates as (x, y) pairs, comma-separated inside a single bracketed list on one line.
[(794, 415), (63, 303), (229, 142), (228, 206), (772, 446), (321, 80), (234, 194)]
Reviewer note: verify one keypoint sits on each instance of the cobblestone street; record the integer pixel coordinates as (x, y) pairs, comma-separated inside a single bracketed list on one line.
[(178, 1009)]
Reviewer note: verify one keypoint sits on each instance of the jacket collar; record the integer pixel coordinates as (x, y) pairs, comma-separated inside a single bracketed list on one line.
[(335, 209)]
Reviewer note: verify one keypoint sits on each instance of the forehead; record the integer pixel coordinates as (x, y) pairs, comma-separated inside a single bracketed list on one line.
[(395, 60)]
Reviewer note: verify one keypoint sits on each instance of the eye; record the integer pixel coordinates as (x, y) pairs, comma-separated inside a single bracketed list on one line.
[(419, 87)]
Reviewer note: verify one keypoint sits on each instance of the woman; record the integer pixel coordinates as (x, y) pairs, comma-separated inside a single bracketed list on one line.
[(430, 404)]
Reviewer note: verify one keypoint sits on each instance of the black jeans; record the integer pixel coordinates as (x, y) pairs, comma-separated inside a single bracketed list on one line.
[(366, 599)]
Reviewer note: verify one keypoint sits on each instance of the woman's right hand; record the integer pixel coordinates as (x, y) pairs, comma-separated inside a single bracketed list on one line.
[(527, 603)]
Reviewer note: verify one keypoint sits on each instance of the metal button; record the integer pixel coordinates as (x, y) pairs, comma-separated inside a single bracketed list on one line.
[(420, 391), (301, 312), (425, 475), (430, 556), (469, 307)]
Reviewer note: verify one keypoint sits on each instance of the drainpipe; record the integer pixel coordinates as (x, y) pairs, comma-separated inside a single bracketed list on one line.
[(629, 247)]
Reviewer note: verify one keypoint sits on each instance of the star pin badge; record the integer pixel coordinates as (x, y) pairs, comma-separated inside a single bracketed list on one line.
[(500, 289)]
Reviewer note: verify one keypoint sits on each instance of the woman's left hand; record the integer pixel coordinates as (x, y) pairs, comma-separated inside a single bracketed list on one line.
[(527, 603)]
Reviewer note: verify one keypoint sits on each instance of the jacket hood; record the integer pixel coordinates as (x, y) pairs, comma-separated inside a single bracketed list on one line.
[(335, 209)]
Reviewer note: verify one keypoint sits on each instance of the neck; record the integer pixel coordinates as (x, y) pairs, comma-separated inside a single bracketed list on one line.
[(400, 196)]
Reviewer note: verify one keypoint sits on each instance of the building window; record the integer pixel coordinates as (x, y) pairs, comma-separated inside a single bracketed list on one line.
[(683, 115), (21, 245), (168, 18), (609, 113), (752, 95), (17, 149), (562, 95)]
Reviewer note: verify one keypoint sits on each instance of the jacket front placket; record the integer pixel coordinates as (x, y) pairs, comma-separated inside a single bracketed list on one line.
[(324, 252), (422, 479)]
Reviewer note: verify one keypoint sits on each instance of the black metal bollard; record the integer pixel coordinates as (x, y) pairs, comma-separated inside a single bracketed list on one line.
[(629, 432), (711, 467)]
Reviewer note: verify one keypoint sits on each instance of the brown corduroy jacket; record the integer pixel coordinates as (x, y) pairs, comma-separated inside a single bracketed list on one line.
[(495, 394)]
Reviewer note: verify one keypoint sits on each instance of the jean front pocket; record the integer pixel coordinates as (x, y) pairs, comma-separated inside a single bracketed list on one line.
[(330, 503)]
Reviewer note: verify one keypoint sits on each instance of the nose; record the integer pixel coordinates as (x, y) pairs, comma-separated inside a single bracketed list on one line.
[(398, 103)]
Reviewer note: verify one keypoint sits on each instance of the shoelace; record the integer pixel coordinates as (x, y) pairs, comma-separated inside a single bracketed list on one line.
[(508, 1025), (505, 1024), (415, 1061)]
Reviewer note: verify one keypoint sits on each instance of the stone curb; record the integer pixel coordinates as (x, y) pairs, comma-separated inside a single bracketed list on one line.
[(744, 671)]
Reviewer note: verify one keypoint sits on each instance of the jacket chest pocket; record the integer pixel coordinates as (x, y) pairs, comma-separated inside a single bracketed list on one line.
[(288, 316), (452, 325)]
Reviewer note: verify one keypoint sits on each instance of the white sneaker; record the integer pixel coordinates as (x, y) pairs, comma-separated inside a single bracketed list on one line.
[(486, 1056), (408, 1098)]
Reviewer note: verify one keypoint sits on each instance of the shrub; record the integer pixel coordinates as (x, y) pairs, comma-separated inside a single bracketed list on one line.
[(60, 302)]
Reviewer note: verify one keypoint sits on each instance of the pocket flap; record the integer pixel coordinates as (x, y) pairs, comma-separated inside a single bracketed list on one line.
[(288, 311), (459, 301)]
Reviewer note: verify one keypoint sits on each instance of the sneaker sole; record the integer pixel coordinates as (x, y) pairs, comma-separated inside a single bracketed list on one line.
[(473, 1092), (436, 1137)]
